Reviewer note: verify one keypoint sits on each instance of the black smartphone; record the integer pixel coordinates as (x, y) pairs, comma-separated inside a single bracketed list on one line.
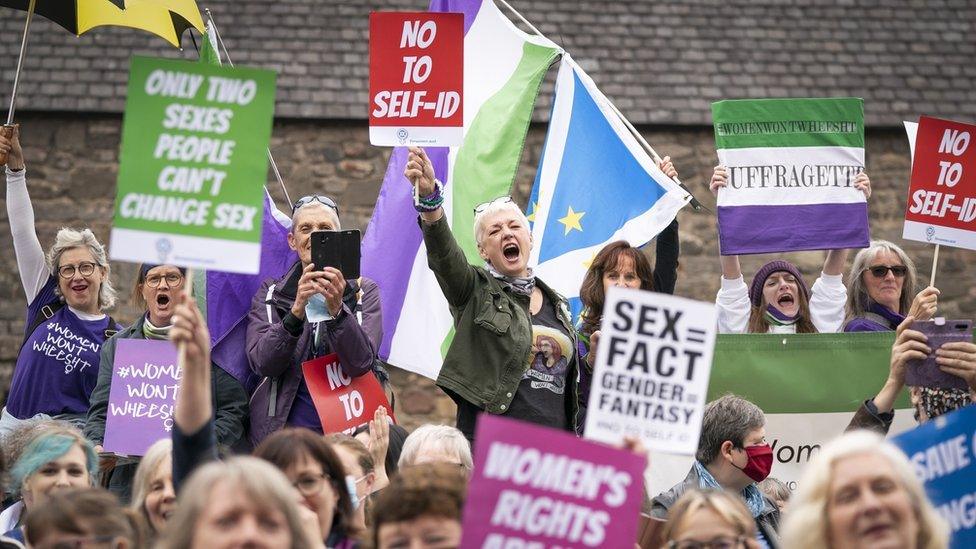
[(926, 373), (337, 249)]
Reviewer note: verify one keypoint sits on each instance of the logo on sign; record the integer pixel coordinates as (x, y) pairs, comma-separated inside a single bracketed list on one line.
[(402, 135), (930, 233), (164, 246)]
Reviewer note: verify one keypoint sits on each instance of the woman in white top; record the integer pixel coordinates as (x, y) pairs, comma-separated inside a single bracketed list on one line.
[(778, 300)]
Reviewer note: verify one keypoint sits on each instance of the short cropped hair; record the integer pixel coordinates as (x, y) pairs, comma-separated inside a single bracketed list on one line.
[(494, 207), (69, 239), (728, 417), (729, 507), (436, 438), (426, 490), (84, 512)]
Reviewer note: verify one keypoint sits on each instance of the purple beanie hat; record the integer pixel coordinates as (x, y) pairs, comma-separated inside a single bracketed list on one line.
[(756, 290)]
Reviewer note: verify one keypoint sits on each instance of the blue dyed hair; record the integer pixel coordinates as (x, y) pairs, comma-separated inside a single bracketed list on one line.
[(48, 447)]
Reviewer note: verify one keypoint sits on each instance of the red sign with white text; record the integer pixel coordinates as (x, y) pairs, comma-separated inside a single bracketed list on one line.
[(416, 78), (942, 195), (343, 402)]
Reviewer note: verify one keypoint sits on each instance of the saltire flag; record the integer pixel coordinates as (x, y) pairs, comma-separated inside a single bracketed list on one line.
[(595, 185), (503, 70), (792, 163), (808, 385)]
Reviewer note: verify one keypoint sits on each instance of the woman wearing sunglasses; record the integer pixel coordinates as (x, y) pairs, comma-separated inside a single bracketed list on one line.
[(67, 291), (881, 290)]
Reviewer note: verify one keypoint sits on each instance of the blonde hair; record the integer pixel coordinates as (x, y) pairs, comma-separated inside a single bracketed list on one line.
[(805, 527), (730, 508), (436, 438), (494, 207), (69, 239), (262, 482), (160, 452)]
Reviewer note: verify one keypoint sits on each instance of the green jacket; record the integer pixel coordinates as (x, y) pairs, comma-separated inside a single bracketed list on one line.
[(492, 329)]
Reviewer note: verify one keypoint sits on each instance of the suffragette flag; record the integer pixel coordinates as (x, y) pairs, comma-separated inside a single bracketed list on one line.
[(792, 164), (503, 69)]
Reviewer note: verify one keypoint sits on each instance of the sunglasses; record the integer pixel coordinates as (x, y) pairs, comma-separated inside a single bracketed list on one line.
[(306, 200), (484, 205), (881, 271)]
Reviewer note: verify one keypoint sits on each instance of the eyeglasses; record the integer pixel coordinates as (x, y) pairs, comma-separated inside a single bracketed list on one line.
[(721, 542), (484, 205), (881, 271), (173, 280), (77, 543), (311, 485), (68, 271), (306, 200)]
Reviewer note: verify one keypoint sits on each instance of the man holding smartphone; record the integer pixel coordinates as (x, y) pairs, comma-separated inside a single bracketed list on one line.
[(308, 313)]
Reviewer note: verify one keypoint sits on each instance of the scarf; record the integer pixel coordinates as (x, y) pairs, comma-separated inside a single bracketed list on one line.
[(519, 284), (752, 496), (152, 332), (775, 317), (934, 402)]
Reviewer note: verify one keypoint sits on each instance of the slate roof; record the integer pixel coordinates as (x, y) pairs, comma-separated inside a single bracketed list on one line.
[(662, 62)]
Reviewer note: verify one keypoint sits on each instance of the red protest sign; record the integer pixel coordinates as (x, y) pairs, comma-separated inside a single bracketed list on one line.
[(343, 403), (942, 196), (416, 78)]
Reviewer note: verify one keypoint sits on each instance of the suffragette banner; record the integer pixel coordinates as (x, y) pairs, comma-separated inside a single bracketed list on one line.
[(193, 165), (791, 166)]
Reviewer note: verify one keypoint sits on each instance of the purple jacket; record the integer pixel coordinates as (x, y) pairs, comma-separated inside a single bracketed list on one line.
[(277, 355)]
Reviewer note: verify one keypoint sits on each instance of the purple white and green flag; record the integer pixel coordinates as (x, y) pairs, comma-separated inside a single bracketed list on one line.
[(503, 70), (792, 164)]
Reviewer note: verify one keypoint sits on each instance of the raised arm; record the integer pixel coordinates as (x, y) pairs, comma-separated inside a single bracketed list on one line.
[(20, 214), (668, 248)]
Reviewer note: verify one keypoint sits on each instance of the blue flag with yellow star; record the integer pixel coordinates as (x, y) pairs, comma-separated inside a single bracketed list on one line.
[(595, 185)]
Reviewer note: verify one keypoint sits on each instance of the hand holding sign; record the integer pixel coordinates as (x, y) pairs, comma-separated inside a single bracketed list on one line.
[(342, 402)]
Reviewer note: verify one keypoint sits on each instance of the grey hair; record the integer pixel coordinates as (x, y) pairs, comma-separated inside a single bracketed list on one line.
[(69, 239), (160, 452), (494, 207), (728, 417), (857, 293), (805, 526), (332, 213), (436, 438)]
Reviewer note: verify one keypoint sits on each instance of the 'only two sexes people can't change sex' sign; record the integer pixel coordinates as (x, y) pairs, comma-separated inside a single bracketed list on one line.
[(193, 165)]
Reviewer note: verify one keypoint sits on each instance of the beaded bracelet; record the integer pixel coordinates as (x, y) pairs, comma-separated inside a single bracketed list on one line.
[(432, 201)]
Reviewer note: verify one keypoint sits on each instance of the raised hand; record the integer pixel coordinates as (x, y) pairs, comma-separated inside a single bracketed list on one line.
[(420, 171), (720, 179)]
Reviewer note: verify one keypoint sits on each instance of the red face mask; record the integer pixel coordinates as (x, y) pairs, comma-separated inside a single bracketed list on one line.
[(760, 462)]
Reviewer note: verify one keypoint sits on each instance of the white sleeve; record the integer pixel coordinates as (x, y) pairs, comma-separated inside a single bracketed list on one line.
[(30, 256), (732, 302), (827, 301)]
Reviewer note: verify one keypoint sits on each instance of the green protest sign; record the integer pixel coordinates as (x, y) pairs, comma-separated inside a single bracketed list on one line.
[(193, 165)]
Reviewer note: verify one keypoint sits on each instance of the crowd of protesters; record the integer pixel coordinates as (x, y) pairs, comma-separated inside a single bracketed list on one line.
[(258, 470)]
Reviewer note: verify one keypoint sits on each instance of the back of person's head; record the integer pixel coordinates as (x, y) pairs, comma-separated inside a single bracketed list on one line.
[(434, 491), (776, 490), (255, 487), (78, 517), (436, 443), (50, 443), (355, 447), (727, 418), (704, 515), (829, 496)]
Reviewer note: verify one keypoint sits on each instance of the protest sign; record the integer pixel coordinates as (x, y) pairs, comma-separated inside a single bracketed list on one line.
[(652, 368), (416, 78), (343, 402), (534, 487), (942, 196), (193, 165), (145, 379), (791, 167), (943, 452)]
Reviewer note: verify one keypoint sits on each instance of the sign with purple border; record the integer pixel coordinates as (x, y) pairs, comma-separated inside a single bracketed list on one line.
[(145, 378), (535, 487)]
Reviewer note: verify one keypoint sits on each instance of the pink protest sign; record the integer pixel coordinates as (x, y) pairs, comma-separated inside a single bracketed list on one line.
[(535, 487)]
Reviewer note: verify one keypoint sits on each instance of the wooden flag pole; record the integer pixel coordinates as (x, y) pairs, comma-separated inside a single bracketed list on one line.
[(935, 264), (188, 289)]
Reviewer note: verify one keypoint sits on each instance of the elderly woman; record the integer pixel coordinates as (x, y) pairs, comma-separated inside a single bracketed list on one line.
[(156, 290), (709, 518), (880, 290), (861, 491), (153, 494), (500, 311), (67, 294), (58, 458), (436, 444), (422, 503)]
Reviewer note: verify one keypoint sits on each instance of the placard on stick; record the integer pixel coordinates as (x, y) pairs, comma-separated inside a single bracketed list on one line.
[(654, 358), (942, 197), (342, 402), (416, 78), (193, 165)]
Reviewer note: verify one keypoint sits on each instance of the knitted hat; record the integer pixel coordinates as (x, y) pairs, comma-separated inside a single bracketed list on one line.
[(146, 267), (758, 281)]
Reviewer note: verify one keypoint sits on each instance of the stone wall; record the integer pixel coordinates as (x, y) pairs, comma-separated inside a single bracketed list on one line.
[(72, 168)]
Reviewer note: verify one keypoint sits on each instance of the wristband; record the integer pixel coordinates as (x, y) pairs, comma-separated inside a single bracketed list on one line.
[(432, 201)]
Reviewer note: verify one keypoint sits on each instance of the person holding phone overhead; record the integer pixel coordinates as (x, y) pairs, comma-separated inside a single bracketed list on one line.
[(308, 313)]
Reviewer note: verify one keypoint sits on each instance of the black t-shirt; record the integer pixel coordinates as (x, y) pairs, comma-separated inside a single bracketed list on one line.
[(541, 394)]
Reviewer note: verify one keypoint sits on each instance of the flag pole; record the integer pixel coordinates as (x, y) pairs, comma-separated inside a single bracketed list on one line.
[(274, 165), (8, 130), (935, 264), (630, 127)]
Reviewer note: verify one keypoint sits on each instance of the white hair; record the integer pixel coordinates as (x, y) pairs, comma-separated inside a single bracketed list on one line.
[(805, 526), (332, 213), (495, 207), (69, 239), (436, 438)]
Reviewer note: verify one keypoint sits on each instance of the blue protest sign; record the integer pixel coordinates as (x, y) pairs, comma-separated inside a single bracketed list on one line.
[(943, 452)]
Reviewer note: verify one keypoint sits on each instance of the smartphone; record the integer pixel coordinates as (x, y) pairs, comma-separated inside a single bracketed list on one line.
[(337, 249), (939, 331)]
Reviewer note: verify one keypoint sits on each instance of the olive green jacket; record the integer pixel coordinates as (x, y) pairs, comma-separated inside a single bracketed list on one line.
[(492, 329)]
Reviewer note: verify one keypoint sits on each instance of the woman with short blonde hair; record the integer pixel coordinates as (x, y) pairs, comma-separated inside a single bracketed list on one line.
[(704, 516)]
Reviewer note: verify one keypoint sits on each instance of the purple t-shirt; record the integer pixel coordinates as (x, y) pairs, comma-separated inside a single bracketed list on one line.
[(58, 366)]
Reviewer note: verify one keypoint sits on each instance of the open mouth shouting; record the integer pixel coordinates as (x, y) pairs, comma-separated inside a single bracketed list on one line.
[(163, 301), (511, 252)]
